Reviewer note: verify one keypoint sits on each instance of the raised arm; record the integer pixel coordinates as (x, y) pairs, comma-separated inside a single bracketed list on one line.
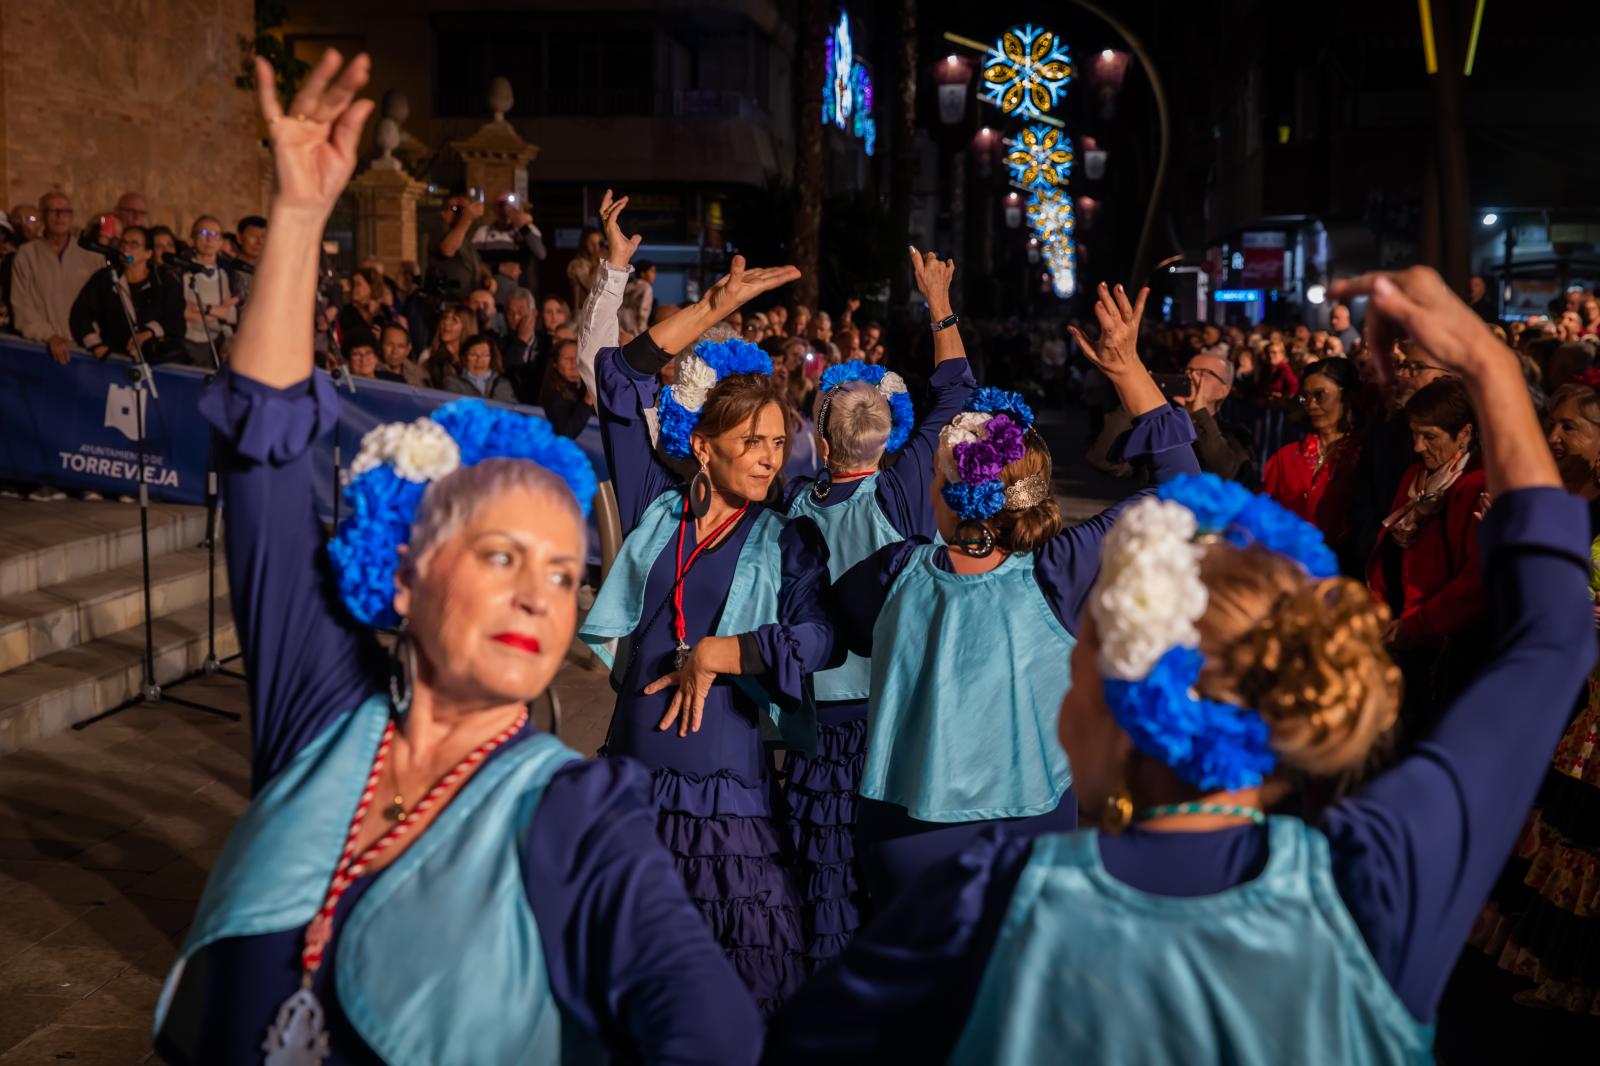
[(933, 282), (1116, 353), (1417, 849), (732, 291), (306, 659), (597, 319)]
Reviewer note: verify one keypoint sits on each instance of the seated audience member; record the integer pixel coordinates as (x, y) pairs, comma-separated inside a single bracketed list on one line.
[(448, 332), (1425, 565), (361, 319), (361, 360), (396, 363), (480, 373), (566, 402), (46, 276), (100, 313), (1222, 448), (553, 314)]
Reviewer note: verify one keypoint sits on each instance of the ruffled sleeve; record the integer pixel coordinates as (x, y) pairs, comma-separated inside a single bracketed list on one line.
[(1067, 564), (306, 659), (903, 990), (627, 389), (627, 953), (803, 640), (862, 590), (904, 489)]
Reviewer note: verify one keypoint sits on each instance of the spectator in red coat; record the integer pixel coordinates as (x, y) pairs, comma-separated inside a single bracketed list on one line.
[(1425, 564), (1315, 477)]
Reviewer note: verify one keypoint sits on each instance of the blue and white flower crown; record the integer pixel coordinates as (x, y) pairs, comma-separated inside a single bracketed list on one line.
[(678, 407), (1146, 606), (891, 387), (988, 436), (397, 463)]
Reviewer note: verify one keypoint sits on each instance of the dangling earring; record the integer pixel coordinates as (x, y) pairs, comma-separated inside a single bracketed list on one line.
[(399, 676), (1119, 811), (975, 538), (823, 485), (700, 493)]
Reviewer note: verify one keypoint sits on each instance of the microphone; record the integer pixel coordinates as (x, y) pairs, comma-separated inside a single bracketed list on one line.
[(101, 236), (186, 266), (235, 264)]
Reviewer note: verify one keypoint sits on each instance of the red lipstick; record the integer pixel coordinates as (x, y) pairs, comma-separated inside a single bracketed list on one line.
[(519, 641)]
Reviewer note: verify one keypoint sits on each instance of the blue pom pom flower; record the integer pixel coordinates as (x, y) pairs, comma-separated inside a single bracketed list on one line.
[(678, 407), (397, 463), (890, 386)]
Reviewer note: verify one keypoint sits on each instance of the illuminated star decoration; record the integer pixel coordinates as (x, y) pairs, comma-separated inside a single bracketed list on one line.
[(847, 89), (1040, 158), (1063, 264), (1051, 219), (1026, 71)]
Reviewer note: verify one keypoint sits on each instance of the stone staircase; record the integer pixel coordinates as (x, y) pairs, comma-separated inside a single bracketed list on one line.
[(72, 609)]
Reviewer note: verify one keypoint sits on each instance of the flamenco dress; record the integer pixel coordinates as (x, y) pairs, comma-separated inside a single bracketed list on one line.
[(616, 961), (1289, 941), (719, 811), (820, 789)]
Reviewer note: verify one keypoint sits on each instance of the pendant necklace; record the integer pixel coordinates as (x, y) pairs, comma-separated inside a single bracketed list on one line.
[(299, 1034), (680, 628)]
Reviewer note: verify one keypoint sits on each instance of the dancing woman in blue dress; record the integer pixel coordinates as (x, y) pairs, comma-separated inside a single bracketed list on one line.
[(1218, 649)]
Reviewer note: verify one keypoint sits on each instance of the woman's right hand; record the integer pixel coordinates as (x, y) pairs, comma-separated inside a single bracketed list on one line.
[(619, 248), (314, 145), (740, 285), (933, 276), (1116, 354), (1416, 303)]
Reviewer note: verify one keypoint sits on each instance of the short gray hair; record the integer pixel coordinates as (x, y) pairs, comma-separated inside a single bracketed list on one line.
[(858, 423), (454, 499), (716, 333), (523, 296)]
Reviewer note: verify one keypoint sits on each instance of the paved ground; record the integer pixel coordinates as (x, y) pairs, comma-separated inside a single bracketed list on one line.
[(106, 837)]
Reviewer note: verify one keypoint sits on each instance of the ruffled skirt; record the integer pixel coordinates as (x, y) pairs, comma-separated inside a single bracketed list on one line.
[(820, 794), (1544, 920), (726, 843)]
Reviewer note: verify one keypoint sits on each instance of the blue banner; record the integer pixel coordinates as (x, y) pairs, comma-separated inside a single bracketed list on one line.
[(75, 426)]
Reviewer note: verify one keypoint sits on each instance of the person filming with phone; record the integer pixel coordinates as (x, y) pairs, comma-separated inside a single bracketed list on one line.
[(1222, 447), (452, 259)]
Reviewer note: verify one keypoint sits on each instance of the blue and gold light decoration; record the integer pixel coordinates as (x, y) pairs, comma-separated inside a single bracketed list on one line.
[(1051, 220), (1040, 158), (1026, 71)]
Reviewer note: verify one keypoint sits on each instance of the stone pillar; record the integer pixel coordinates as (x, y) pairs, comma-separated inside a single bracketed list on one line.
[(386, 216), (496, 160)]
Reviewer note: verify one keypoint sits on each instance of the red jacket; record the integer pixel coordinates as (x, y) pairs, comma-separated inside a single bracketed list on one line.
[(1443, 587), (1323, 499)]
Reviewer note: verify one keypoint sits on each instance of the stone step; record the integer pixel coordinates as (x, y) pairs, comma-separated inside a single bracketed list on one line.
[(48, 695), (44, 544), (47, 620)]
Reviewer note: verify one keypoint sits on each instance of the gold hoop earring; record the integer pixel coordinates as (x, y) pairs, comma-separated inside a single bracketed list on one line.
[(1118, 811)]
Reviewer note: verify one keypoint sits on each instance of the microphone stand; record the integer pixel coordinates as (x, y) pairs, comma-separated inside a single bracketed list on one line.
[(340, 373), (140, 377)]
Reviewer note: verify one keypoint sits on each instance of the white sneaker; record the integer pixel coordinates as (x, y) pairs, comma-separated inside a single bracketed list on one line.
[(46, 494)]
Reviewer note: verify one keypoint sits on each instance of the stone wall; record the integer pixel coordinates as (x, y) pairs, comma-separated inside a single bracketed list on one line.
[(101, 96)]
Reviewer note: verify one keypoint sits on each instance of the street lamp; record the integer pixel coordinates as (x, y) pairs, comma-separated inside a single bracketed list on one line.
[(1317, 293), (1490, 218)]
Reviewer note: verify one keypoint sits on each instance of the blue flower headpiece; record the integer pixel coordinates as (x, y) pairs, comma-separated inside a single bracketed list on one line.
[(1146, 607), (988, 436), (678, 407), (397, 463), (890, 386)]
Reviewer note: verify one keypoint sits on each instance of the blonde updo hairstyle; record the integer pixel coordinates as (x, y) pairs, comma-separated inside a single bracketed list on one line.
[(1027, 528), (1308, 655)]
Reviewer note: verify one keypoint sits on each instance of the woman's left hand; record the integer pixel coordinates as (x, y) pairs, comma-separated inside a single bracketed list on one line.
[(314, 146), (619, 247), (693, 681)]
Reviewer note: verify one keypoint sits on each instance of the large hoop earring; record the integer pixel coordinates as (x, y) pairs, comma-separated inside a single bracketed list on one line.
[(822, 488), (975, 538), (402, 664), (700, 493)]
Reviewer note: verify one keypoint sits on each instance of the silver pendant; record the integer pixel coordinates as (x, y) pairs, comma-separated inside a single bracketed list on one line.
[(681, 657), (299, 1037)]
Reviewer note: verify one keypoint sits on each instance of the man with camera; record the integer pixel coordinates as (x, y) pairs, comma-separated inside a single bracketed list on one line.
[(453, 263), (511, 238), (1221, 447)]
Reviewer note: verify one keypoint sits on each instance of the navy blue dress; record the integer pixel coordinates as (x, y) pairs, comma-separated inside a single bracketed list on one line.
[(896, 847), (821, 789), (714, 789), (1414, 852), (624, 951)]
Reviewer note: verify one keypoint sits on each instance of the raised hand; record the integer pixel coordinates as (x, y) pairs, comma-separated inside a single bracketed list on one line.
[(1416, 303), (739, 286), (1117, 352), (619, 248), (933, 276), (314, 144)]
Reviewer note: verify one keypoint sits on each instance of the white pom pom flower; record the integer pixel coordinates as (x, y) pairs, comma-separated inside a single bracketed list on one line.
[(965, 428), (1149, 595), (892, 384), (696, 378), (418, 451)]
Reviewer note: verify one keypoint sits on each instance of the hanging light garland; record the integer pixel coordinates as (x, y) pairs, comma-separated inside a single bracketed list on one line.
[(1026, 71)]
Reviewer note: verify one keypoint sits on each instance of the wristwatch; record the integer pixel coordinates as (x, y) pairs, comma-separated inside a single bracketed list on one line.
[(946, 323)]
